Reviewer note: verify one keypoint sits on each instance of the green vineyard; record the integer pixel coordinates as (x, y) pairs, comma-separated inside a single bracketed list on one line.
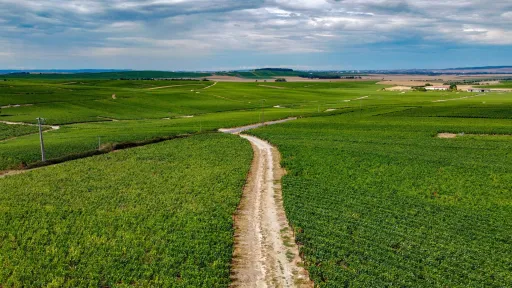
[(374, 196)]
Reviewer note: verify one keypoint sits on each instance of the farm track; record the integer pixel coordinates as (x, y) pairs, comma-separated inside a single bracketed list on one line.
[(461, 98), (171, 86), (15, 106), (210, 86), (54, 127), (273, 87), (265, 253)]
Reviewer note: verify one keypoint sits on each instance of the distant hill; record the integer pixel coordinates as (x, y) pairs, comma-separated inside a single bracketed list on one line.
[(256, 74), (107, 75), (275, 69), (60, 71), (480, 68)]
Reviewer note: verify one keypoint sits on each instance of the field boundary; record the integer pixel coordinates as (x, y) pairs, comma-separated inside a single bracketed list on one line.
[(105, 149), (112, 147)]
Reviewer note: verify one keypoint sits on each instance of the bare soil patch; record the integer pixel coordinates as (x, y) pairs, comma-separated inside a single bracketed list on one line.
[(409, 83), (430, 79), (399, 88), (447, 135), (453, 135)]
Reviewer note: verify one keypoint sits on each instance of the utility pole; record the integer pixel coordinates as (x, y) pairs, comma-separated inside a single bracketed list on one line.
[(39, 122)]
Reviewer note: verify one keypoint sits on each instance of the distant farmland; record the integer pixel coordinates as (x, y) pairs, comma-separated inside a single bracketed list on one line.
[(374, 197)]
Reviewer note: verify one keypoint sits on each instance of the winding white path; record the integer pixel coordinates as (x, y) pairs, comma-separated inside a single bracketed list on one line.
[(265, 252)]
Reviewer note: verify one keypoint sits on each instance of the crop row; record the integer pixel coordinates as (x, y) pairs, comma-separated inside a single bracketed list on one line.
[(379, 201), (155, 216)]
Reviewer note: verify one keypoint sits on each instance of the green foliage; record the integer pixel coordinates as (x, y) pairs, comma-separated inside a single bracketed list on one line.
[(11, 131), (503, 84), (155, 216), (375, 199), (141, 114), (379, 201), (110, 75)]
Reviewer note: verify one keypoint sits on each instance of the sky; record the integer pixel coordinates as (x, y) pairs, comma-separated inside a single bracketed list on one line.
[(244, 34)]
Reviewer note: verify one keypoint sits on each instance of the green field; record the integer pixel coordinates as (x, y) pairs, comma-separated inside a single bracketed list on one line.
[(12, 131), (90, 116), (503, 84), (155, 216), (375, 198), (378, 201)]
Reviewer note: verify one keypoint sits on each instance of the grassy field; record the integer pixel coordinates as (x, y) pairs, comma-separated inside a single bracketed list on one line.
[(376, 199), (155, 216), (90, 116), (504, 84), (12, 131)]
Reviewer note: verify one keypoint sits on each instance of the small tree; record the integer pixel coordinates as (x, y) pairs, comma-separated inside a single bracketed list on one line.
[(453, 87), (428, 84)]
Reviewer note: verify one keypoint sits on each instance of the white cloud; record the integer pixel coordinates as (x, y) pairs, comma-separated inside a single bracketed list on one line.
[(173, 28), (507, 15)]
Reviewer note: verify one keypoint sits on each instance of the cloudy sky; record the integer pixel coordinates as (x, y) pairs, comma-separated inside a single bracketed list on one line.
[(237, 34)]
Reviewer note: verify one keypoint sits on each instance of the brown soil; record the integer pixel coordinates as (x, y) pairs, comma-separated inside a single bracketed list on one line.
[(409, 83), (447, 135), (399, 88), (431, 79), (265, 253), (452, 135)]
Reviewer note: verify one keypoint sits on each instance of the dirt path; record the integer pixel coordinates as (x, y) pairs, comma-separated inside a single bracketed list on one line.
[(210, 86), (54, 127), (454, 99), (265, 253), (11, 172), (170, 86), (238, 130), (16, 106), (273, 87)]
